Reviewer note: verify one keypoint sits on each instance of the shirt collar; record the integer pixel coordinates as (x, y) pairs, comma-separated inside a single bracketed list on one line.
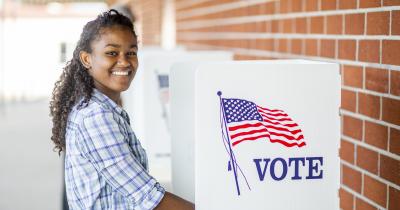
[(106, 102)]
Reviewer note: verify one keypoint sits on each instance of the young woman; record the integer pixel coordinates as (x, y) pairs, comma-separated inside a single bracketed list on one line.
[(105, 165)]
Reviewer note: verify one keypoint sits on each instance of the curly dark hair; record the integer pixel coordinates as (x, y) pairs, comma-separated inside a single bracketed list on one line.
[(75, 82)]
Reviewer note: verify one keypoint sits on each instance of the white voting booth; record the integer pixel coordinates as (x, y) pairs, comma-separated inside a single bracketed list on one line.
[(256, 134), (147, 103)]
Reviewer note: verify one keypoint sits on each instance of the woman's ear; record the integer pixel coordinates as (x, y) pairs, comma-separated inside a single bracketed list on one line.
[(85, 59)]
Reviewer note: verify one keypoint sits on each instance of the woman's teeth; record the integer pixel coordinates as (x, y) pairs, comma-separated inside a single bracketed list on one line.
[(120, 73)]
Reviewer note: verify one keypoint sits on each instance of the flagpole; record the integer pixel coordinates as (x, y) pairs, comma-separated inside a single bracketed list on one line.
[(233, 162)]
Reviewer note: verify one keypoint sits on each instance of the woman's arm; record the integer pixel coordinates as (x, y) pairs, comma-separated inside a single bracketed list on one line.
[(173, 202)]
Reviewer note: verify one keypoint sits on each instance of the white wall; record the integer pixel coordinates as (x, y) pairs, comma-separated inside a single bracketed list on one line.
[(31, 54)]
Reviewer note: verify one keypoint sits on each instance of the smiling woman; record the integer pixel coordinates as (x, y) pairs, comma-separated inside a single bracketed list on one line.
[(105, 164), (113, 61)]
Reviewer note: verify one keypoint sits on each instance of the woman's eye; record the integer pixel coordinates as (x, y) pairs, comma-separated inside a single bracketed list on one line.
[(112, 53), (131, 53)]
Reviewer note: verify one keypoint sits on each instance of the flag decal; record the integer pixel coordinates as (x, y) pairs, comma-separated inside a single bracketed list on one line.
[(245, 121)]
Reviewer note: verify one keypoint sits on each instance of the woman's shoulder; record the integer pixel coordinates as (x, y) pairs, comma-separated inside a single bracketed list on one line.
[(83, 110)]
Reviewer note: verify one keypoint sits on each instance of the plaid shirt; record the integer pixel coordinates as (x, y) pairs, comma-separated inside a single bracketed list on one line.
[(105, 165)]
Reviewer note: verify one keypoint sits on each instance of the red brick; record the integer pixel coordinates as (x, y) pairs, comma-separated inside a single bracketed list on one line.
[(334, 24), (353, 76), (391, 2), (347, 151), (367, 159), (259, 44), (284, 6), (328, 48), (328, 4), (390, 52), (377, 79), (346, 199), (255, 10), (391, 110), (301, 25), (297, 6), (394, 199), (369, 51), (347, 4), (362, 205), (317, 25), (395, 82), (261, 26), (375, 190), (311, 47), (369, 3), (269, 45), (352, 127), (283, 46), (390, 169), (351, 178), (354, 23), (275, 26), (376, 135), (287, 25), (369, 105), (347, 49), (312, 5), (378, 23), (394, 146), (348, 101), (269, 7), (297, 46), (396, 22)]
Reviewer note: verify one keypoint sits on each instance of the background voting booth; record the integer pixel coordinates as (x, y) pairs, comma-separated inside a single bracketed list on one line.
[(256, 134), (147, 103)]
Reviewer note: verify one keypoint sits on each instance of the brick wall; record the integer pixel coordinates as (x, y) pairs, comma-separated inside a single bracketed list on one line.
[(148, 15), (363, 36)]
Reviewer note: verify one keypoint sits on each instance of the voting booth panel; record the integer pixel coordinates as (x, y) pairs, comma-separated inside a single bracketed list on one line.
[(258, 135), (147, 103)]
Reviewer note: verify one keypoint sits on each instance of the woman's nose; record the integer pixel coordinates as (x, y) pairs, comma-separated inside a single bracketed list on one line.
[(123, 62)]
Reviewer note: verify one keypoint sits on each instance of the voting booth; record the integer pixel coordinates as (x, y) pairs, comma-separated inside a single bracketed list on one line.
[(147, 102), (256, 134)]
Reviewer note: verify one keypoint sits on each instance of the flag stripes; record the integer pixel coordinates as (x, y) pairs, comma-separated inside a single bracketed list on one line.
[(247, 121)]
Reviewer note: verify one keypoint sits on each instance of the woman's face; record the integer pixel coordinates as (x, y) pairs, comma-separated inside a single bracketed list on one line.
[(113, 61)]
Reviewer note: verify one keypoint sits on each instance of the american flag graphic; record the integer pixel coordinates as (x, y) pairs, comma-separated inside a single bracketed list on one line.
[(246, 121)]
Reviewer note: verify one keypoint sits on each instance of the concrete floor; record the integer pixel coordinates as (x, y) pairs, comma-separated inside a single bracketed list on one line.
[(30, 172)]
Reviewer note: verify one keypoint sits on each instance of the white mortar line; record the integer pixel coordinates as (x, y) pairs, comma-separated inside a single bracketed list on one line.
[(262, 35), (256, 18), (363, 131), (356, 99), (218, 8), (387, 197), (264, 53), (363, 117), (370, 92), (357, 49), (379, 165), (189, 3), (369, 174), (336, 49), (364, 77)]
